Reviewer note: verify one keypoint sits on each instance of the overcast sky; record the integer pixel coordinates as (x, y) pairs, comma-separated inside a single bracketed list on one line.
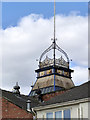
[(27, 29)]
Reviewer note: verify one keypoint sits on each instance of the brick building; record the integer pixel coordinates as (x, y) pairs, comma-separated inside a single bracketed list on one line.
[(14, 105), (54, 85)]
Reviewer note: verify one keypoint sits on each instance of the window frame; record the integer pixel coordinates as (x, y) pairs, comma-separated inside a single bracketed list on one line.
[(49, 113), (70, 114), (61, 110), (61, 114)]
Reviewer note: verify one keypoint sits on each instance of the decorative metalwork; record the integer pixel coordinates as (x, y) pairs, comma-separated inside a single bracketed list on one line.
[(59, 49), (47, 50), (54, 46), (48, 61)]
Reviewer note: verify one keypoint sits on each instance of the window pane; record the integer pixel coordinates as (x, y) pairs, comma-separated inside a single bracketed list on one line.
[(49, 115), (58, 115), (67, 114)]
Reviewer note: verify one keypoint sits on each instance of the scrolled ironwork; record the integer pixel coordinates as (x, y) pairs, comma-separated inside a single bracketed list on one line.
[(47, 50), (62, 51), (52, 47)]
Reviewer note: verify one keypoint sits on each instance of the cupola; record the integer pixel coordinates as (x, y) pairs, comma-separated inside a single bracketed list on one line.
[(53, 73)]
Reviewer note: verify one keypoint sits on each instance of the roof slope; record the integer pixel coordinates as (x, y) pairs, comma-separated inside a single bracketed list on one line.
[(19, 100), (79, 92)]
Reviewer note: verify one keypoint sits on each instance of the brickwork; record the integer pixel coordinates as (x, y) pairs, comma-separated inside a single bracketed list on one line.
[(51, 95), (0, 108), (10, 110)]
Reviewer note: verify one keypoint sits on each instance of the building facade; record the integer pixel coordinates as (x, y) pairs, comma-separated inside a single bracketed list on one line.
[(74, 109), (15, 105), (73, 103), (53, 95)]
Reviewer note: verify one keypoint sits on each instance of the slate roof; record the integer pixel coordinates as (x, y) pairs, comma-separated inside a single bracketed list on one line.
[(19, 100), (76, 93)]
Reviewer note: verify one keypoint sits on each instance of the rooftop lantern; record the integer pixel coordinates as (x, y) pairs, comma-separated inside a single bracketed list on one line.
[(53, 73)]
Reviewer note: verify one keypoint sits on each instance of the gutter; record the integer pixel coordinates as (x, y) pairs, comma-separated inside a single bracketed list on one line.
[(73, 102)]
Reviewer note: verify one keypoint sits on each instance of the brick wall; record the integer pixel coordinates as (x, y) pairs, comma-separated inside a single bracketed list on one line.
[(51, 95), (0, 108), (10, 110)]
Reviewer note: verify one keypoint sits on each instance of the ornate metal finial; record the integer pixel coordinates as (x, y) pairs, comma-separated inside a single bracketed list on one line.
[(54, 19), (54, 46), (54, 41), (16, 88)]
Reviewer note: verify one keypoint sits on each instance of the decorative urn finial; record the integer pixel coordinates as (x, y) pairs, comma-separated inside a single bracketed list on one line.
[(16, 88)]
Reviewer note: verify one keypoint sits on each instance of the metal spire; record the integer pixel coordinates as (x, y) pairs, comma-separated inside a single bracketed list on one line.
[(54, 19), (54, 40), (53, 46)]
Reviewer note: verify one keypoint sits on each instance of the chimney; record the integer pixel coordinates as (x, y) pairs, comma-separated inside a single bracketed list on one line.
[(29, 106)]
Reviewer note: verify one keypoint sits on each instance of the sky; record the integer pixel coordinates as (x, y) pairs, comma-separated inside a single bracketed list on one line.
[(27, 29), (13, 12)]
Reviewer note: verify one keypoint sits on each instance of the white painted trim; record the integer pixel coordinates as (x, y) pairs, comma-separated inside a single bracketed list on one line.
[(62, 104)]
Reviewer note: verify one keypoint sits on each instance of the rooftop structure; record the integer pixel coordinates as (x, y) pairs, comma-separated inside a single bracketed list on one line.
[(53, 73)]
